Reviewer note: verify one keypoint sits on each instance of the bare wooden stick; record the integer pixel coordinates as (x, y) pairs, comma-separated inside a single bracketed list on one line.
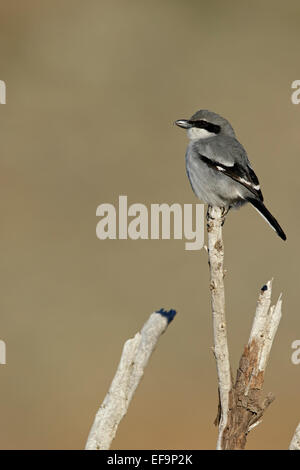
[(248, 401), (264, 328), (241, 404), (216, 258), (295, 442), (135, 356)]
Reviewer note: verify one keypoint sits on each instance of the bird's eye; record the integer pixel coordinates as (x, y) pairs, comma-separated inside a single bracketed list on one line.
[(209, 126)]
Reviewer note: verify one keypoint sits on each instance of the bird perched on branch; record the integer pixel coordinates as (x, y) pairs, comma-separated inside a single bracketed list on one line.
[(218, 166)]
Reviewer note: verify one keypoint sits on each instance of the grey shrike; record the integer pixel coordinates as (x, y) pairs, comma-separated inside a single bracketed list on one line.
[(218, 167)]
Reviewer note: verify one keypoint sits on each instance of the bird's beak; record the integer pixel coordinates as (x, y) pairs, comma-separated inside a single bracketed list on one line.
[(183, 123)]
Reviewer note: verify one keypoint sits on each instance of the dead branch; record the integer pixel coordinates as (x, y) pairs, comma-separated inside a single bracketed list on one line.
[(216, 257), (248, 400), (135, 356), (295, 442), (242, 404)]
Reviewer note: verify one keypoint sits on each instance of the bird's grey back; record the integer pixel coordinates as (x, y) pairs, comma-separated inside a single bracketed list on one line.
[(221, 148), (209, 185)]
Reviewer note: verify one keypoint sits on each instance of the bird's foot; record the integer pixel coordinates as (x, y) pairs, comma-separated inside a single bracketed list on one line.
[(224, 212)]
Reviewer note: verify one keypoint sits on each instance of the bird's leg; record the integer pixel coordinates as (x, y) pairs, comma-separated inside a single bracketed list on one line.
[(225, 211), (207, 213)]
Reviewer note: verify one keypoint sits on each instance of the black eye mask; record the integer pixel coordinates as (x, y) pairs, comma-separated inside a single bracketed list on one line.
[(208, 126)]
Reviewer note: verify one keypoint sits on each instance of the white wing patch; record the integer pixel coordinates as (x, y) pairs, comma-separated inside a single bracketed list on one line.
[(240, 178), (248, 183)]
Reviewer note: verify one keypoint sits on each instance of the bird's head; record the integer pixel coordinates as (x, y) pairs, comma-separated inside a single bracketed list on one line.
[(204, 124)]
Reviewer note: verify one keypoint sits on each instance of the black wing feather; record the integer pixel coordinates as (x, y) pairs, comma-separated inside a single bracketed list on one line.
[(242, 175)]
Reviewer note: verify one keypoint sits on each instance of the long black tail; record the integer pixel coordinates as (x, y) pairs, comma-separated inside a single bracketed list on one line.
[(261, 208)]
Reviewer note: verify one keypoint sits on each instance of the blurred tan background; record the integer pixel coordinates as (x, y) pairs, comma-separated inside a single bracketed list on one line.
[(93, 89)]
